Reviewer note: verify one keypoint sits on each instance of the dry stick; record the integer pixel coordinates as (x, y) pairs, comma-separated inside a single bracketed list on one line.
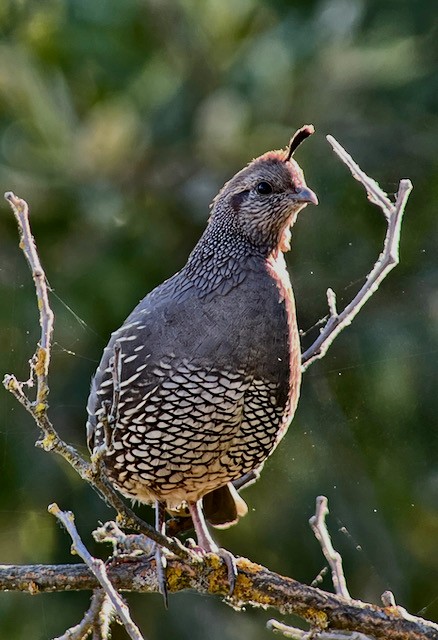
[(129, 544), (98, 569), (38, 408), (319, 528), (387, 260), (255, 586), (299, 634), (41, 360), (102, 626), (97, 616), (334, 559)]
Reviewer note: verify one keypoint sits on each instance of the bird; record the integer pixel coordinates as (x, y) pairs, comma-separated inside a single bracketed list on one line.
[(203, 378)]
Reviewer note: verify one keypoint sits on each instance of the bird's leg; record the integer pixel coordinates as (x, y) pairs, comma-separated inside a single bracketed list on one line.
[(160, 559), (205, 541), (207, 544)]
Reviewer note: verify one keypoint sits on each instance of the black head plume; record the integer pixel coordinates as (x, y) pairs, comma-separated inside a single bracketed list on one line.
[(298, 138)]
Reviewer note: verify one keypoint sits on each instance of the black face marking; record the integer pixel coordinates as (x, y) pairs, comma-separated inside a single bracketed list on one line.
[(237, 199)]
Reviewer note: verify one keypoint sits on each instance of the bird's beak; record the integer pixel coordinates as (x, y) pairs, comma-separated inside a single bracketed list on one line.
[(304, 194)]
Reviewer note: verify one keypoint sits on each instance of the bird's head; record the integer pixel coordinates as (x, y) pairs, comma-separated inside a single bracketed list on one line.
[(265, 197)]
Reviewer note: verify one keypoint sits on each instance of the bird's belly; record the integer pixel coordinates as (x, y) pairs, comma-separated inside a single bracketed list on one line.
[(180, 454)]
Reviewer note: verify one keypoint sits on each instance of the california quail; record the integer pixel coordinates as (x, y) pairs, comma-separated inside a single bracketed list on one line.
[(210, 359)]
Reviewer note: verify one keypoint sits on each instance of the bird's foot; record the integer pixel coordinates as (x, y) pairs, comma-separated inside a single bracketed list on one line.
[(227, 557)]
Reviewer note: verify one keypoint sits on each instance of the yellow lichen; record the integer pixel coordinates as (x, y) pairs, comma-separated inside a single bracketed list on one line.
[(174, 579), (316, 618), (248, 566), (215, 561), (48, 441), (40, 363), (246, 592)]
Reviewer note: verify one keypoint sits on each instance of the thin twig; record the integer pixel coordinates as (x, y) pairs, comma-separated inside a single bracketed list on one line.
[(97, 617), (319, 527), (387, 260), (388, 599), (51, 440), (41, 360), (299, 634), (97, 566), (123, 543), (102, 627)]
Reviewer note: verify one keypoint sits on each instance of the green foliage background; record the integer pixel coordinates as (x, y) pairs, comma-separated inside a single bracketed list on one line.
[(119, 121)]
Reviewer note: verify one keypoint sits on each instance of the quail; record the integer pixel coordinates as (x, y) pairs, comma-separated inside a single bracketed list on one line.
[(208, 363)]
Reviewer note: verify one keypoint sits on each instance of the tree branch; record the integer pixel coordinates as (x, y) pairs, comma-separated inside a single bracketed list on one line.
[(387, 260), (97, 567), (319, 528), (97, 618), (255, 585)]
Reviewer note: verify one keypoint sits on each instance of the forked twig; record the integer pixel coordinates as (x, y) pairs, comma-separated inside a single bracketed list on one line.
[(97, 618), (129, 543), (98, 569), (319, 528), (334, 559), (387, 260)]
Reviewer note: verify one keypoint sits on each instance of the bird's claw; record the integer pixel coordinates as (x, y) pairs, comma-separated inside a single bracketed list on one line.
[(161, 564), (230, 563), (227, 557)]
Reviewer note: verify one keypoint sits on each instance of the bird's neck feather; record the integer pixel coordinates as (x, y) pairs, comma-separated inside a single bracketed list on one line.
[(224, 253)]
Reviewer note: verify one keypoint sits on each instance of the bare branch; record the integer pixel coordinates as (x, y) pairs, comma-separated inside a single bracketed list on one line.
[(387, 260), (41, 359), (97, 567), (319, 527), (127, 544), (51, 441), (255, 585), (299, 634), (98, 617)]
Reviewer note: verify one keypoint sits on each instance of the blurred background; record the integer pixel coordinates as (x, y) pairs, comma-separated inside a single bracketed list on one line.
[(119, 121)]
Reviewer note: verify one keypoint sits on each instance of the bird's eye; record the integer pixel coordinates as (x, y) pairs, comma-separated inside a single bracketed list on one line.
[(264, 188)]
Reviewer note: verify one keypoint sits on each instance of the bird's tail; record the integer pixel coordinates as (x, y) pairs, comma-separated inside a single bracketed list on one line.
[(224, 506)]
